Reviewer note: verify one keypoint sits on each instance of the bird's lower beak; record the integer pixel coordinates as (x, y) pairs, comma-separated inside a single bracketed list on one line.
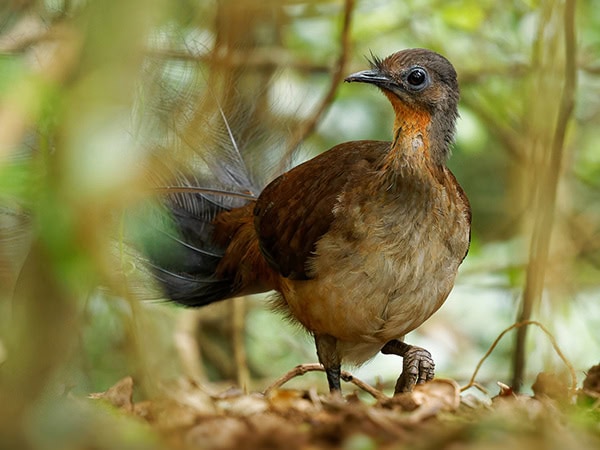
[(372, 76)]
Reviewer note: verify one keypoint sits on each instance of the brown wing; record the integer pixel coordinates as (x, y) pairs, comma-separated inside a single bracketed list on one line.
[(465, 203), (296, 209)]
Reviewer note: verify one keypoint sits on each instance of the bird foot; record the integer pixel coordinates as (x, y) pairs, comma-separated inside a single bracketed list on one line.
[(417, 368)]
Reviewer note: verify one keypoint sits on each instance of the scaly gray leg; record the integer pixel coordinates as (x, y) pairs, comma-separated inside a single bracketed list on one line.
[(329, 357)]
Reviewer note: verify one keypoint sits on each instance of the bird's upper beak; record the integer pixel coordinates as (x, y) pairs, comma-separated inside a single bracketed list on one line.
[(373, 76)]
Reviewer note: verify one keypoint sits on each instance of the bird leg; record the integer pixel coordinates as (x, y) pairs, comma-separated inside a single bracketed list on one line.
[(329, 357), (417, 367)]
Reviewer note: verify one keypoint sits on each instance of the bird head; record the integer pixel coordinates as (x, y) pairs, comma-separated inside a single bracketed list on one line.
[(423, 89)]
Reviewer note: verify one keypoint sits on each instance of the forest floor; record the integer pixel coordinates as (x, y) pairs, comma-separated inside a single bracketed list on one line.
[(435, 415)]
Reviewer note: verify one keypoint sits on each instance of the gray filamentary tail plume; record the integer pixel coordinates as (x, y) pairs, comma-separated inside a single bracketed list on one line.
[(219, 155)]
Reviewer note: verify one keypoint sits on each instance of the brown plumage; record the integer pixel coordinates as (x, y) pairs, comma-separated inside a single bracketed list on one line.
[(363, 242)]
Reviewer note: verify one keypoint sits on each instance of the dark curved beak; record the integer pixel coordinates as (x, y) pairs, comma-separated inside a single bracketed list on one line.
[(372, 76)]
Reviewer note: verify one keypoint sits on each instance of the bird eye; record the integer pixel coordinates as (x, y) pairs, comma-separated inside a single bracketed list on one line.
[(417, 78)]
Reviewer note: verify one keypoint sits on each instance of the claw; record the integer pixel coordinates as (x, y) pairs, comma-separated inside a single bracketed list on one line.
[(418, 367)]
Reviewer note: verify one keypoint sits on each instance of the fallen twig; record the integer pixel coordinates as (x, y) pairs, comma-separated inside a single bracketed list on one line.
[(314, 367)]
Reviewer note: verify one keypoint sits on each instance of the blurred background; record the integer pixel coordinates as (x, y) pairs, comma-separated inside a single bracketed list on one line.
[(96, 96)]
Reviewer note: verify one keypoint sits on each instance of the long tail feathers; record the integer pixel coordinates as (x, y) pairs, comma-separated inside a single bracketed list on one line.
[(215, 177), (180, 253), (210, 149)]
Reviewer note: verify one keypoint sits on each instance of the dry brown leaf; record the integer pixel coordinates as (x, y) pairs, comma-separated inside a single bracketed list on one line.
[(284, 400), (168, 415), (437, 395), (119, 395), (428, 399), (243, 405), (222, 433), (271, 431), (550, 385), (191, 395)]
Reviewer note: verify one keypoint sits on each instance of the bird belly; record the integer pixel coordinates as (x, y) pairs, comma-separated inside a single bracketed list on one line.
[(378, 287)]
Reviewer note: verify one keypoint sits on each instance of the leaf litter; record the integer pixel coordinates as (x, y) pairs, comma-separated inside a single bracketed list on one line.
[(188, 415)]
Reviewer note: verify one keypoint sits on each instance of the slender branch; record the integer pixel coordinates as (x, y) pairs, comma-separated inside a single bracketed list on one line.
[(520, 325), (238, 325), (310, 124), (261, 58), (187, 346), (346, 376), (375, 393), (543, 225)]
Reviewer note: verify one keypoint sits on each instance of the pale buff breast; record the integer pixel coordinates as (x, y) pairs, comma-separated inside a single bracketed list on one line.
[(383, 280)]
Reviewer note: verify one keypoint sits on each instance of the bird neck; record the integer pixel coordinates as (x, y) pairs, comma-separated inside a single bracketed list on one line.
[(419, 150), (420, 138)]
